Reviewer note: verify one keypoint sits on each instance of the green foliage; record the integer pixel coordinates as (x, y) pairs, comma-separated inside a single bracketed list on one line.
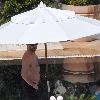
[(2, 1), (81, 2), (13, 7), (11, 87), (54, 74), (82, 97)]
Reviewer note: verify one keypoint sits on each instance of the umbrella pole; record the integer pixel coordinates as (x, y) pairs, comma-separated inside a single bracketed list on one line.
[(46, 60)]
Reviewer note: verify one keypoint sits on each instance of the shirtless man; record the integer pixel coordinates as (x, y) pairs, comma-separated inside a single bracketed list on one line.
[(30, 73)]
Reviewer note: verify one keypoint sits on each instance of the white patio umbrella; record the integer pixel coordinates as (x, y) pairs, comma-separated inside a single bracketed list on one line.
[(45, 24)]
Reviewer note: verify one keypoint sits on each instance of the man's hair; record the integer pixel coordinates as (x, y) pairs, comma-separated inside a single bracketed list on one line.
[(98, 83), (32, 44)]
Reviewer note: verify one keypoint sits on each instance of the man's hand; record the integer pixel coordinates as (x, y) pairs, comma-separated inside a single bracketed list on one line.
[(35, 85)]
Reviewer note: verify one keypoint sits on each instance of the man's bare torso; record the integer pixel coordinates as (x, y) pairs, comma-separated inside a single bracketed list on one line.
[(30, 68)]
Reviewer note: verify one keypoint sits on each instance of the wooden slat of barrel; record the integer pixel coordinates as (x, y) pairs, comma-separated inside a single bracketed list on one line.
[(79, 78), (79, 66)]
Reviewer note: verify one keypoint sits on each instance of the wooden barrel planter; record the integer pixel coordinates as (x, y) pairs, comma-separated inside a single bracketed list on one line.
[(78, 69), (88, 11)]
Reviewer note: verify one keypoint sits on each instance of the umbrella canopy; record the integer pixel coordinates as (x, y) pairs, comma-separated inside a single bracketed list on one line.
[(45, 24)]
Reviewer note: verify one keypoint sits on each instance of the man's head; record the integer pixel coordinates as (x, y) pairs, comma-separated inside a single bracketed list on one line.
[(32, 47)]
